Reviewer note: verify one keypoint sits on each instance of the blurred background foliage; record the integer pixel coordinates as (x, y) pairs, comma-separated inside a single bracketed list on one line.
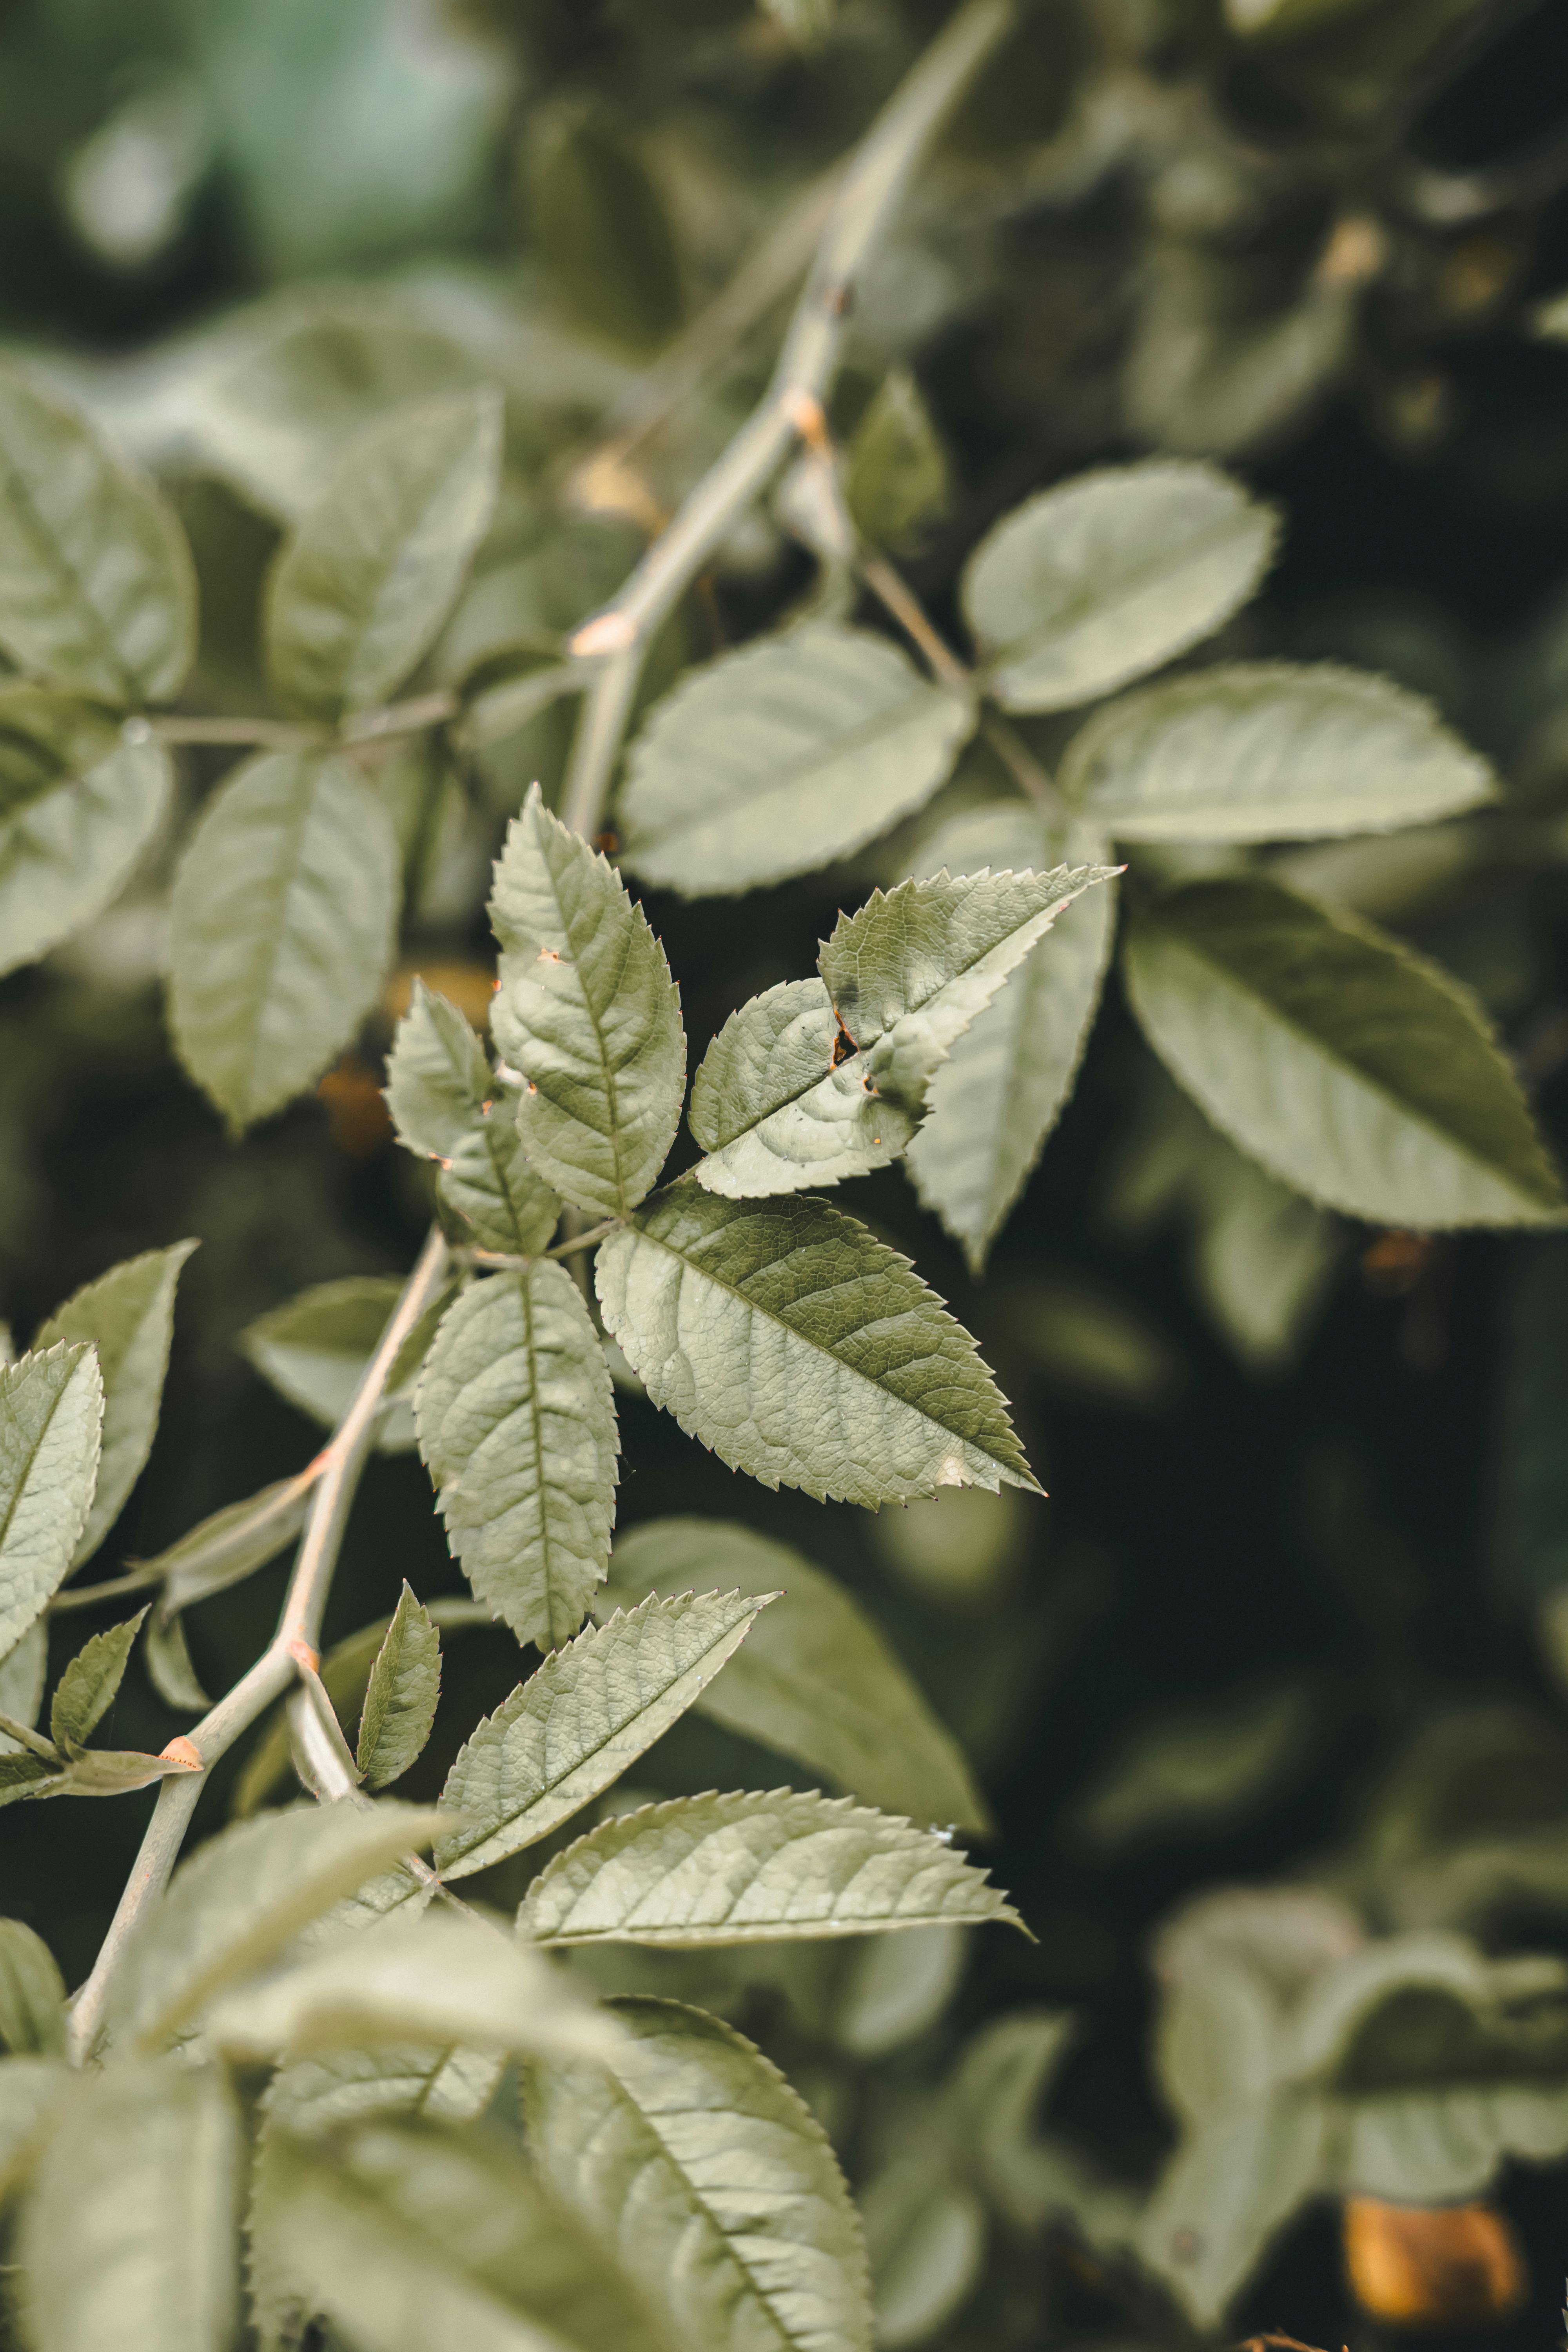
[(1296, 1612)]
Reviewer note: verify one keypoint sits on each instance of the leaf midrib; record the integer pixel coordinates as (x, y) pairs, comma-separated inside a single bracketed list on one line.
[(1084, 608), (8, 1513)]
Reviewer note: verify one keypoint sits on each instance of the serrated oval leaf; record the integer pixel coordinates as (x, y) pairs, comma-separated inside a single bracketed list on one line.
[(802, 1350), (1269, 751), (587, 1014), (1104, 577), (400, 1700), (86, 1691), (78, 805), (24, 1671), (746, 1868), (281, 928), (995, 1100), (314, 1349), (32, 1994), (517, 1426), (776, 1115), (362, 587), (127, 1314), (446, 1103), (1359, 1073), (716, 2186), (313, 2097), (51, 1410), (592, 1708), (130, 2235), (815, 1679), (97, 588), (491, 1186), (243, 1897), (782, 758)]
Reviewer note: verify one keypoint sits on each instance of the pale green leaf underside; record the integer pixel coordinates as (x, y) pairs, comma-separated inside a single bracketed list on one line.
[(97, 587), (127, 1314), (32, 1993), (1269, 751), (311, 2096), (802, 1350), (586, 1014), (517, 1426), (446, 1103), (746, 1868), (362, 587), (24, 1671), (400, 1701), (78, 808), (1094, 583), (782, 758), (572, 1728), (281, 926), (814, 1679), (697, 2162), (1355, 1071), (86, 1691), (130, 2237), (51, 1411), (491, 1186), (314, 1348), (995, 1100)]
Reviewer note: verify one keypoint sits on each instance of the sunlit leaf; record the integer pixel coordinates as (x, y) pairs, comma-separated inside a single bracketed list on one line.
[(400, 1702), (78, 806), (51, 1411), (32, 1994), (447, 1104)]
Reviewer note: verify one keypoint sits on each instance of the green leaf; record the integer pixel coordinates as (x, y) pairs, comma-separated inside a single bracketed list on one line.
[(130, 2237), (232, 1543), (693, 2157), (78, 806), (400, 1704), (362, 587), (314, 1349), (1227, 2195), (1269, 751), (815, 1679), (22, 1672), (572, 1728), (114, 1772), (601, 227), (446, 1103), (782, 758), (29, 2088), (1107, 576), (925, 2233), (1354, 1070), (313, 2097), (517, 1426), (587, 1014), (32, 1994), (97, 588), (746, 1868), (169, 1665), (86, 1691), (897, 480), (127, 1314), (24, 1774), (51, 1411), (802, 1350), (492, 1187), (992, 1104), (243, 1897), (441, 1979), (818, 1081), (281, 927)]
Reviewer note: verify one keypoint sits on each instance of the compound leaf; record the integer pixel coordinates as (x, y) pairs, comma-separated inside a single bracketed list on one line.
[(592, 1708), (400, 1700), (281, 928), (802, 1350), (782, 758), (78, 805), (51, 1411), (517, 1426), (587, 1014), (87, 1689), (1355, 1071)]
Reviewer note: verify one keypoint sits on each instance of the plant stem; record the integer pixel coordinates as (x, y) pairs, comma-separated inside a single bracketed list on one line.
[(88, 1596), (342, 1459), (873, 184), (382, 726)]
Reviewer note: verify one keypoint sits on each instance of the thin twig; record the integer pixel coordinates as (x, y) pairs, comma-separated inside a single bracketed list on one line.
[(88, 1596), (256, 734), (873, 184), (269, 1677)]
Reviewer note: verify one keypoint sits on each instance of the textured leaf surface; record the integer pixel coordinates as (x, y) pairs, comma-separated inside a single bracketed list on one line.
[(51, 1410), (243, 1897), (281, 927), (115, 1772), (311, 2096), (446, 1103), (783, 757), (1269, 751), (713, 2183), (997, 1097), (746, 1868), (517, 1426), (314, 1349), (400, 1702), (493, 1188), (1091, 583), (97, 588), (587, 1014), (801, 1349), (22, 1672), (87, 1689), (592, 1708), (127, 1314), (1357, 1072), (78, 805), (815, 1679), (130, 2237), (32, 1994), (361, 590)]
